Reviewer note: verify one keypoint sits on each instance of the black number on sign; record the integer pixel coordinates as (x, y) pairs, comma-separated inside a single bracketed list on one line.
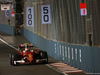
[(46, 18), (29, 10), (45, 9), (30, 22), (29, 16)]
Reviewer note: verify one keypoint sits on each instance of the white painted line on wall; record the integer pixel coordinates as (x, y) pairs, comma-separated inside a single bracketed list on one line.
[(69, 54), (8, 44), (55, 49), (72, 54), (60, 49), (65, 51), (80, 54), (76, 54)]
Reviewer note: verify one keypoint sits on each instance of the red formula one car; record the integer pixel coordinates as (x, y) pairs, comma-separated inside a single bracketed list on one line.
[(28, 55)]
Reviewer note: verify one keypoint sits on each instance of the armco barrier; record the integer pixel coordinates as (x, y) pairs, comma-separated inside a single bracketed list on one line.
[(7, 29), (82, 57)]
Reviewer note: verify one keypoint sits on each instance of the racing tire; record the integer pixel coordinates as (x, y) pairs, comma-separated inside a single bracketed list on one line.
[(34, 57), (14, 58), (44, 55), (10, 59)]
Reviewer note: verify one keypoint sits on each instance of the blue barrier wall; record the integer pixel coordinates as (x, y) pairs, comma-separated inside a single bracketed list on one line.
[(82, 57), (7, 29)]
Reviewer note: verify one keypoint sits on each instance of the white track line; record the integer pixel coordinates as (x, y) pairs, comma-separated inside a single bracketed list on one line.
[(8, 44)]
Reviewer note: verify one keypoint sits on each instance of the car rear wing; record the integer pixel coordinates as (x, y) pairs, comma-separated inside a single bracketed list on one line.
[(24, 45)]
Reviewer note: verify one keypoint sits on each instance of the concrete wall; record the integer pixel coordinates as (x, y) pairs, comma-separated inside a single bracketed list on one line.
[(82, 57), (7, 29)]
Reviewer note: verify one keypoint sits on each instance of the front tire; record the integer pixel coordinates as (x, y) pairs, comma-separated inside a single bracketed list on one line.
[(44, 55), (10, 59), (13, 59)]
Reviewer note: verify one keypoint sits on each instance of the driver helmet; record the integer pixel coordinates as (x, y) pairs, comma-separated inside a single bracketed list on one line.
[(26, 48)]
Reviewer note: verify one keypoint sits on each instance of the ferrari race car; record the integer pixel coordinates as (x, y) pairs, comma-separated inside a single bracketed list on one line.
[(28, 55)]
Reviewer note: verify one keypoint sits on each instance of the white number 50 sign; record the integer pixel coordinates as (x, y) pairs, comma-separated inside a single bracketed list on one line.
[(46, 17), (30, 13)]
